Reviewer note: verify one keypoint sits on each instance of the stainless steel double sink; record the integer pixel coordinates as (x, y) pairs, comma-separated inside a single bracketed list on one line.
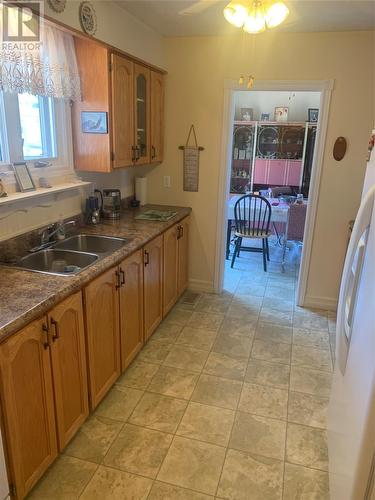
[(72, 255)]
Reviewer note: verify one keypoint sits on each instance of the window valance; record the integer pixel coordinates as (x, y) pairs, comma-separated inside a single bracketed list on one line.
[(49, 68)]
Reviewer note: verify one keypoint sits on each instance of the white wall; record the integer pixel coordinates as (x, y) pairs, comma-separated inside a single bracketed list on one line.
[(266, 102), (118, 28)]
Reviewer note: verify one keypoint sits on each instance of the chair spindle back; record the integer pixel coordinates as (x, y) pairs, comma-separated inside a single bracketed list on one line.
[(252, 215)]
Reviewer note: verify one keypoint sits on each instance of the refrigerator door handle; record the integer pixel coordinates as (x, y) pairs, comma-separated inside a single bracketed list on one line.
[(351, 278), (351, 298)]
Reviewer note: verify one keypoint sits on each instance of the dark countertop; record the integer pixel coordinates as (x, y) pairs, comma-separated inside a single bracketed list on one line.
[(25, 295)]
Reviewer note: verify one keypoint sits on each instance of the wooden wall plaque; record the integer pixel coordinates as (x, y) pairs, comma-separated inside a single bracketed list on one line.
[(339, 149)]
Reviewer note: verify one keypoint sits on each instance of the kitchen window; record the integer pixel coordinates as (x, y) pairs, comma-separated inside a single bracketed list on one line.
[(34, 128)]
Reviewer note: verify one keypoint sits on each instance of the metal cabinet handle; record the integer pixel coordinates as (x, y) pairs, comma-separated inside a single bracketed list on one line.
[(56, 328), (153, 154), (46, 331), (118, 280), (147, 258), (137, 153), (122, 272), (134, 156), (178, 232)]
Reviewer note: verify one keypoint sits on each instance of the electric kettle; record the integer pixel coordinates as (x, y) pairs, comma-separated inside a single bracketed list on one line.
[(110, 203)]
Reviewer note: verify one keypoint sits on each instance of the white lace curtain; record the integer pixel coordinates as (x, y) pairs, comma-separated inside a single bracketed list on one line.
[(49, 71)]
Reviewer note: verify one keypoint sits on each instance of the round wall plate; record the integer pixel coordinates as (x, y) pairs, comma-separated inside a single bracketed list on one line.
[(87, 18), (339, 149), (57, 5)]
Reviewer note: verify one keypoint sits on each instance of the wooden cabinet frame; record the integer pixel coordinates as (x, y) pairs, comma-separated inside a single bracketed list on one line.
[(109, 84)]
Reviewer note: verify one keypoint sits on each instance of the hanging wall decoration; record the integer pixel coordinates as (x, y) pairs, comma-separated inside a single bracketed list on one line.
[(191, 162), (87, 18), (57, 5)]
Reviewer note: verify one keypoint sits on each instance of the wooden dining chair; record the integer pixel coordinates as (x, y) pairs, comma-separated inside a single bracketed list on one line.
[(252, 216)]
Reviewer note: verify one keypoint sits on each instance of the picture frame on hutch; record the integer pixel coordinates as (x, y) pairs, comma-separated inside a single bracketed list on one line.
[(281, 114), (246, 114), (313, 115)]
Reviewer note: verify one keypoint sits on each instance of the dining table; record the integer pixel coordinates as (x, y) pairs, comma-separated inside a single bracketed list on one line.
[(279, 214)]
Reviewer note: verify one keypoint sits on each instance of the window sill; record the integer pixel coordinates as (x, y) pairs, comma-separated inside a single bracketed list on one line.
[(15, 197)]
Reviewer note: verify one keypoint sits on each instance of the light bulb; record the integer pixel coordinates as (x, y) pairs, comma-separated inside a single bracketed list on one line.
[(255, 22), (240, 81), (235, 13), (250, 82), (276, 13)]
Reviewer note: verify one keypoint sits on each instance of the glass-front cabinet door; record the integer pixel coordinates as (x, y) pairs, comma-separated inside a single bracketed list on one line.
[(142, 115)]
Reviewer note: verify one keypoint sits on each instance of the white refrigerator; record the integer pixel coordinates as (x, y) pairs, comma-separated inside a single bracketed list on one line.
[(351, 414)]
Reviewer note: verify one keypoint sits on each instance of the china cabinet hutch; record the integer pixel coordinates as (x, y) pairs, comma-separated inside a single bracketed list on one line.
[(267, 154)]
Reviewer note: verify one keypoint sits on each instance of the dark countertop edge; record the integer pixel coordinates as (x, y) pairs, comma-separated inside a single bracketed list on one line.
[(73, 284)]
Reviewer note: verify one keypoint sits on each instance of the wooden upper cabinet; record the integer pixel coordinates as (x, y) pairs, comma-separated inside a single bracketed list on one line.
[(132, 97), (122, 111), (69, 366), (153, 285), (103, 335), (142, 94), (92, 151), (170, 268), (27, 404), (157, 117), (183, 253), (131, 307)]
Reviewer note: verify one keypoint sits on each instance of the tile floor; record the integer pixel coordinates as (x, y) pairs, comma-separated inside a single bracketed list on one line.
[(227, 400)]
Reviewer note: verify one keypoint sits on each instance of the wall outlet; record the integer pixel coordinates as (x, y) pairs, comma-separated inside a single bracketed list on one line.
[(167, 181)]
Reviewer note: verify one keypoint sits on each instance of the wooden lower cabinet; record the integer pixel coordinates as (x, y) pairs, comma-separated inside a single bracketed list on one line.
[(153, 285), (170, 268), (68, 355), (131, 307), (28, 405), (183, 256), (103, 334)]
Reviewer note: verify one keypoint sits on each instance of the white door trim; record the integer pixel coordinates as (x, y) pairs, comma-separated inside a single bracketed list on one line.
[(325, 88)]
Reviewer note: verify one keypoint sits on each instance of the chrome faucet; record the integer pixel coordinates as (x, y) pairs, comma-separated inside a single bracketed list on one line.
[(50, 231)]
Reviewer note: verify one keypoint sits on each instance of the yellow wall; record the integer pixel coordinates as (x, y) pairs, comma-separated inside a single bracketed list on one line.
[(197, 69)]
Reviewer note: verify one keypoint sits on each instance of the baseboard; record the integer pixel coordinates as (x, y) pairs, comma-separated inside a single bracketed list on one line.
[(201, 286), (326, 303)]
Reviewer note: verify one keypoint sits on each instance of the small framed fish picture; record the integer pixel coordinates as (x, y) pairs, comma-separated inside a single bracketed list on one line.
[(94, 122)]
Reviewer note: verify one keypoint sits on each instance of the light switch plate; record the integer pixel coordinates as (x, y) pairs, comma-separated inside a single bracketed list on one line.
[(167, 181)]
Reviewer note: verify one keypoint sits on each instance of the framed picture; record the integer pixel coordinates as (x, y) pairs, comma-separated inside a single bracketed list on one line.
[(23, 177), (265, 117), (313, 115), (246, 114), (281, 114), (94, 122)]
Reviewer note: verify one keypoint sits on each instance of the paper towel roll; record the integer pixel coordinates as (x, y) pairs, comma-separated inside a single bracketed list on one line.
[(141, 190)]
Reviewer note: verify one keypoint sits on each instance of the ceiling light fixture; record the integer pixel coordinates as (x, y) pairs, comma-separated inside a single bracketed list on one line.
[(254, 16)]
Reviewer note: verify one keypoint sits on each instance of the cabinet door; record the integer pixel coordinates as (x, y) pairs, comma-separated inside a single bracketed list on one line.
[(103, 334), (69, 367), (27, 404), (183, 254), (277, 173), (122, 111), (294, 173), (170, 268), (131, 307), (153, 285), (260, 171), (142, 114), (157, 117)]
